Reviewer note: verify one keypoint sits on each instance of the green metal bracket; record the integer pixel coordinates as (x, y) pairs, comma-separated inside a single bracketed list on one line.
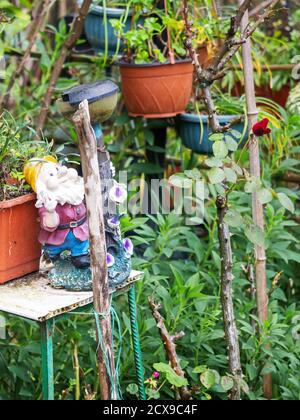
[(47, 328)]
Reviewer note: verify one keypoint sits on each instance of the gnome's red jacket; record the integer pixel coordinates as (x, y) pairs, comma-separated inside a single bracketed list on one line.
[(67, 214)]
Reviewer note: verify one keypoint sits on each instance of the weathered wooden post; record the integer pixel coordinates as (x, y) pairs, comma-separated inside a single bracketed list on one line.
[(257, 207), (90, 168)]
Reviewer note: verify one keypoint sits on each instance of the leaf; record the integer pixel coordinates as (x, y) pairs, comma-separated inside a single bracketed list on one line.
[(132, 389), (149, 137), (180, 181), (227, 383), (286, 202), (171, 375), (213, 162), (253, 185), (244, 387), (153, 394), (209, 378), (193, 174), (20, 372), (264, 195), (216, 137), (146, 168), (216, 175), (200, 369), (220, 190), (236, 134), (220, 149), (231, 144), (237, 168), (233, 218), (231, 176), (255, 235)]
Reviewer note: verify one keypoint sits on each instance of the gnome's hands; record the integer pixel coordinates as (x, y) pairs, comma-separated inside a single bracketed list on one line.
[(50, 205), (44, 201), (50, 220)]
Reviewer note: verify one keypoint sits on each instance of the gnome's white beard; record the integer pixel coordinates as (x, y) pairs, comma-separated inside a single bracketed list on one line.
[(69, 192)]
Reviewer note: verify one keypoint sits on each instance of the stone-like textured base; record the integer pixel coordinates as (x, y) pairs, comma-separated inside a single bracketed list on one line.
[(65, 276)]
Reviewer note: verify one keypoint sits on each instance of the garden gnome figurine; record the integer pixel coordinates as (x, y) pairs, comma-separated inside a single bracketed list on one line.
[(63, 218)]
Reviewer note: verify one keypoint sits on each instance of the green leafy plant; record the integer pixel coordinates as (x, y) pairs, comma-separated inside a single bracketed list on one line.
[(17, 146), (146, 41)]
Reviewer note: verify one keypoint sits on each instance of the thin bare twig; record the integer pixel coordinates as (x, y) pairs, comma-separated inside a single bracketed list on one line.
[(260, 7), (66, 49), (170, 346), (38, 23), (250, 275), (232, 44), (234, 27)]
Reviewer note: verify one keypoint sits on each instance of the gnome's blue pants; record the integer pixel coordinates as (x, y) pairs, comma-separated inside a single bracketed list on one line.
[(72, 244)]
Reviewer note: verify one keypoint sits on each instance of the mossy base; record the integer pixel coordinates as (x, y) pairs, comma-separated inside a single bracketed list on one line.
[(65, 276)]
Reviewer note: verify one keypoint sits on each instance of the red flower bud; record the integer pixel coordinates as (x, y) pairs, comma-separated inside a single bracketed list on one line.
[(261, 128)]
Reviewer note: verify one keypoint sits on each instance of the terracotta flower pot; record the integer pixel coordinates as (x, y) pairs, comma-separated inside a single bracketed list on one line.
[(280, 97), (157, 90), (19, 247)]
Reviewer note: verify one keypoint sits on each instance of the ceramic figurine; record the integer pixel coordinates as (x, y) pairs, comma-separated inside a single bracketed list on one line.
[(64, 228), (62, 212)]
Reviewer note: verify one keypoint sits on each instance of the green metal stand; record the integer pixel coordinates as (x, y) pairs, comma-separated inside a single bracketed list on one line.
[(136, 343), (47, 329)]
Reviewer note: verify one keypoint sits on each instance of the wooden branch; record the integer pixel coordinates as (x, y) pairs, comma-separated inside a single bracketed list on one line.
[(204, 78), (37, 9), (38, 23), (170, 346), (229, 48), (250, 275), (232, 45), (90, 168), (260, 7), (66, 49), (257, 207), (234, 27), (230, 328)]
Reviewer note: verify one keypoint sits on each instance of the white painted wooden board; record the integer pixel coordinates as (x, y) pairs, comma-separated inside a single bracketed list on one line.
[(32, 297)]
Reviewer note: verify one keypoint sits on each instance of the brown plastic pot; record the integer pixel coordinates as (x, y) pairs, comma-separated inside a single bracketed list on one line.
[(19, 247), (156, 90)]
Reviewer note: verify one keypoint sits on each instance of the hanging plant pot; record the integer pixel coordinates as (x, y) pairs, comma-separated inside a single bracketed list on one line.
[(194, 131), (20, 250), (156, 90), (264, 91), (99, 33)]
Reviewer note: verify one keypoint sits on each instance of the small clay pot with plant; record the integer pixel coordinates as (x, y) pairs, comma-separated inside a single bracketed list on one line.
[(19, 247)]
